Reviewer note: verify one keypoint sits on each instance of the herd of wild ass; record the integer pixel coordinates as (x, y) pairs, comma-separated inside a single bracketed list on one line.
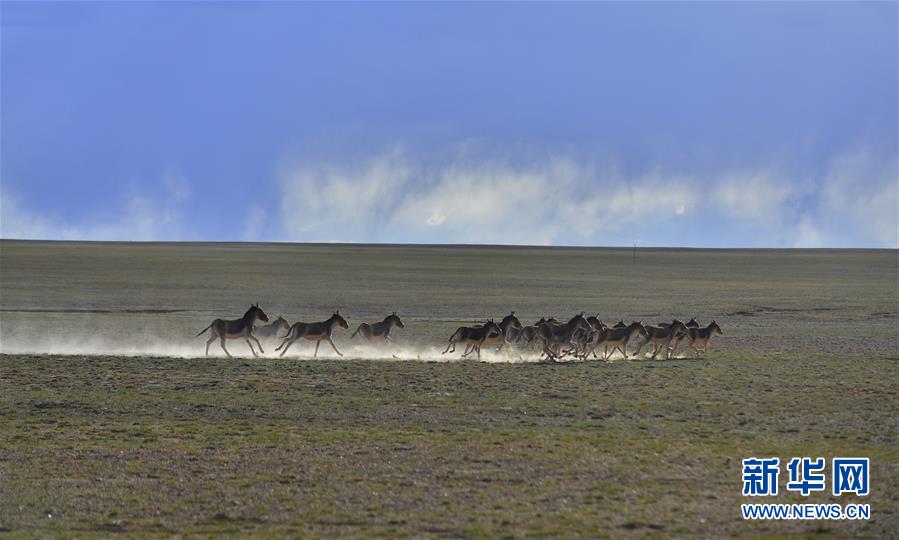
[(578, 338)]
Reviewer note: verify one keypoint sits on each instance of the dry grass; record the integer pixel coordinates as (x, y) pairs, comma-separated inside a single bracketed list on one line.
[(157, 446)]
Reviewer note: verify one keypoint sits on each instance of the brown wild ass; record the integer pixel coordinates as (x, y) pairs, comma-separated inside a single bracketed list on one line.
[(692, 323), (271, 329), (554, 336), (662, 336), (379, 330), (510, 330), (700, 337), (235, 329), (617, 338), (511, 327), (585, 341), (472, 335), (317, 332)]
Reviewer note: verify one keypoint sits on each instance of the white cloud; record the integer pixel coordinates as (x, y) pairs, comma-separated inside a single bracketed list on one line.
[(488, 205), (342, 202), (140, 218), (556, 201), (808, 234), (854, 203), (16, 221), (859, 199), (753, 196), (435, 219)]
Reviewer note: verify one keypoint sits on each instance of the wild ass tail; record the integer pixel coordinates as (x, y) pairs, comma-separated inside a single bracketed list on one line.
[(288, 334), (207, 328)]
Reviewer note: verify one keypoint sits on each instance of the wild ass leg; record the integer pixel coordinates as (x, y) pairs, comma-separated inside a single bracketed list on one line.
[(289, 342), (334, 347), (658, 348), (208, 342), (251, 347), (546, 351), (640, 347), (223, 347), (668, 349), (317, 343), (257, 343), (550, 354), (676, 345)]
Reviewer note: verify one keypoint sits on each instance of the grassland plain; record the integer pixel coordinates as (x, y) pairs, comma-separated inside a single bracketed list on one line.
[(95, 444)]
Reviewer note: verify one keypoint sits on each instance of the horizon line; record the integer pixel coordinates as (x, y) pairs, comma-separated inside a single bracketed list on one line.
[(449, 245)]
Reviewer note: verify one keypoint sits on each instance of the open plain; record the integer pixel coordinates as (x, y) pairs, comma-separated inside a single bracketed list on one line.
[(112, 421)]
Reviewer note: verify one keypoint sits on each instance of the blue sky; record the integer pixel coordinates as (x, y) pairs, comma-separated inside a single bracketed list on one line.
[(680, 124)]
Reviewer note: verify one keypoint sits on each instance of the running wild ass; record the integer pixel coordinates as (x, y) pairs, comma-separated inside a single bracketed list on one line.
[(662, 336), (379, 330), (700, 337), (473, 336), (271, 329), (235, 329), (317, 332)]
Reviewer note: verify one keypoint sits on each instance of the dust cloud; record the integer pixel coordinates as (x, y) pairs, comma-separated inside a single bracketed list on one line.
[(150, 345), (137, 337), (156, 346)]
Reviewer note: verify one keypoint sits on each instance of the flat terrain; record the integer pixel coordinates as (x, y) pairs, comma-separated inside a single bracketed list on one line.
[(112, 422)]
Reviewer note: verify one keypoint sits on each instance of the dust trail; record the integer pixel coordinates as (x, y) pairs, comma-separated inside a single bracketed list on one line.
[(95, 336), (150, 345)]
